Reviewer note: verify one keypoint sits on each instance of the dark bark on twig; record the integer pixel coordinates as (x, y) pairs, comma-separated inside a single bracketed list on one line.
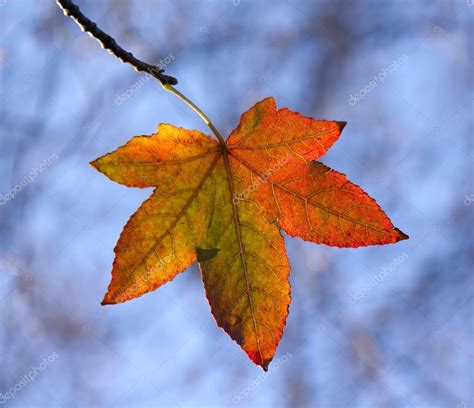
[(72, 10)]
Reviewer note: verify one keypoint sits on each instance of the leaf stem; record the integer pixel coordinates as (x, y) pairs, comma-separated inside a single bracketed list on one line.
[(201, 114), (106, 41)]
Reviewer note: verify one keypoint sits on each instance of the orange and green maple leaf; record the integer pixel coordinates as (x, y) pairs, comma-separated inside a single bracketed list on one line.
[(226, 205)]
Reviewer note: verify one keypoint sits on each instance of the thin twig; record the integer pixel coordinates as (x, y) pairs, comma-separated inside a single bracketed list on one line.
[(107, 42)]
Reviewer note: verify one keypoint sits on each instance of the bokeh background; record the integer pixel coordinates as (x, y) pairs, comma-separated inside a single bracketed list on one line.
[(387, 326)]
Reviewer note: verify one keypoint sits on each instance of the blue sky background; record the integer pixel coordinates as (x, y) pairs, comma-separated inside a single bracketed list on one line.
[(406, 342)]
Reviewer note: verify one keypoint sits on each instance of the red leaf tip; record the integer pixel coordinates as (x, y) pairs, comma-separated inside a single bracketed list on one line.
[(107, 301), (341, 125), (401, 234)]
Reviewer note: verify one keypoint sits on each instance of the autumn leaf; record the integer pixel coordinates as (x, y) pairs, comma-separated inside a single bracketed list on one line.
[(226, 205)]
